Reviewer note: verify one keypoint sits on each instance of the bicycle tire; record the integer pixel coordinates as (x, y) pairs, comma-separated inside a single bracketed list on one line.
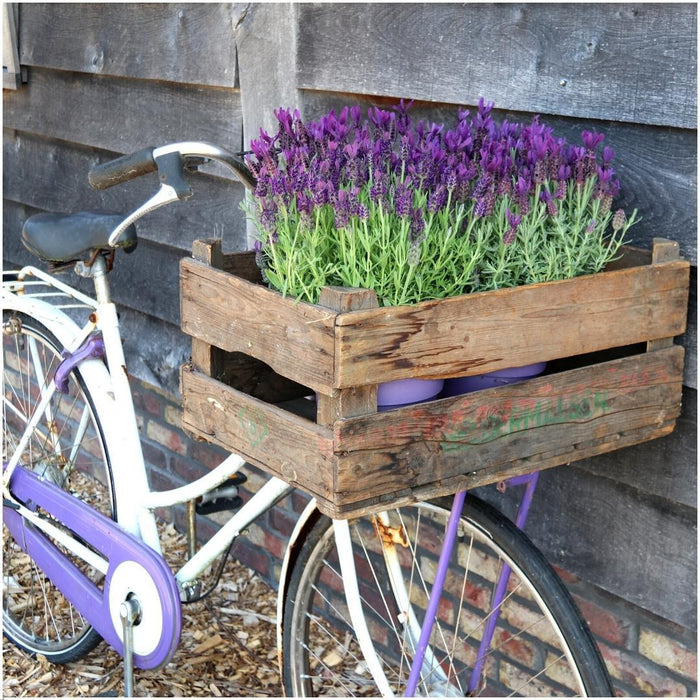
[(321, 654), (36, 616)]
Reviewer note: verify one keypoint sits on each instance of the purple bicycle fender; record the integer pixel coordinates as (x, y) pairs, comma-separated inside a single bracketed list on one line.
[(112, 542)]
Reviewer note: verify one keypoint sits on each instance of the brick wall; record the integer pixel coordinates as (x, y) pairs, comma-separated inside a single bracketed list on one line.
[(646, 655)]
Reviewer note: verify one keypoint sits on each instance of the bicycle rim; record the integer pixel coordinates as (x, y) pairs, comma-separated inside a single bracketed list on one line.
[(68, 449), (539, 647)]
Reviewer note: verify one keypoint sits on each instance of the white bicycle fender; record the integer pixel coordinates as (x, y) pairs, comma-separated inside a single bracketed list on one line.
[(286, 571)]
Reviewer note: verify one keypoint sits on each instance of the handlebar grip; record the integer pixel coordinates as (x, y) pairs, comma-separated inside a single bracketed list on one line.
[(122, 169)]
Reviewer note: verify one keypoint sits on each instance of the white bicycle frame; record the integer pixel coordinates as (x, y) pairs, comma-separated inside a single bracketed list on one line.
[(109, 389)]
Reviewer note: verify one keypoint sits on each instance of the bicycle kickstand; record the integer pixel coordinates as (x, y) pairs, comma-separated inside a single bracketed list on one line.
[(129, 612)]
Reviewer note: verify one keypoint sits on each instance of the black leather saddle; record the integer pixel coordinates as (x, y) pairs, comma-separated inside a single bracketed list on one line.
[(64, 238)]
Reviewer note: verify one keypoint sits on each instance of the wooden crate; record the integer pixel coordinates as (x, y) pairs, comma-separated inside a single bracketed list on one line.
[(614, 376)]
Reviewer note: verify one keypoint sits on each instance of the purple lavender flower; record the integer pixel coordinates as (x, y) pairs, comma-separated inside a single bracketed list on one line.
[(591, 139), (546, 197)]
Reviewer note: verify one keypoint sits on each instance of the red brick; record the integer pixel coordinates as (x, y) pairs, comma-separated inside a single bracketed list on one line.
[(282, 521), (147, 402), (252, 557), (167, 437), (207, 455), (566, 576), (603, 623), (636, 672), (154, 457)]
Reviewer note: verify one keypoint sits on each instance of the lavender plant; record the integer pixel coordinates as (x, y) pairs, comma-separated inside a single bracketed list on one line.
[(416, 211)]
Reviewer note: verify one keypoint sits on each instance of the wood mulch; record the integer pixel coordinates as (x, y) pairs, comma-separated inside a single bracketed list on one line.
[(228, 648)]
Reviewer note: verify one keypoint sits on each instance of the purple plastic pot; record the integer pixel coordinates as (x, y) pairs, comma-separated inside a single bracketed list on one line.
[(463, 385), (402, 392)]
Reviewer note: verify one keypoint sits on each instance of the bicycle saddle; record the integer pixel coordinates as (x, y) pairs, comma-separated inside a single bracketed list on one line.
[(62, 238)]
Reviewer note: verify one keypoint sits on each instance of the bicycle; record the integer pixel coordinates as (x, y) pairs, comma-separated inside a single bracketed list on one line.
[(431, 598)]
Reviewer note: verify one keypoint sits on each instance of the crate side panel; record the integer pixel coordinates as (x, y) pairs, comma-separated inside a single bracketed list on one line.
[(284, 445), (295, 339), (511, 327), (346, 508), (536, 420)]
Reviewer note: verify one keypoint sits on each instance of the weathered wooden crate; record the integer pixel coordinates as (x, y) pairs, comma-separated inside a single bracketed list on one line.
[(614, 376)]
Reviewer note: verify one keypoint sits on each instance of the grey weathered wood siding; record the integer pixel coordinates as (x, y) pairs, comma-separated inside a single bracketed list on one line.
[(106, 79)]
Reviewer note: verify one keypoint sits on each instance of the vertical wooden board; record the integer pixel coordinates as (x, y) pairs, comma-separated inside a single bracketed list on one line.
[(578, 60), (295, 339), (282, 444), (512, 327), (530, 420)]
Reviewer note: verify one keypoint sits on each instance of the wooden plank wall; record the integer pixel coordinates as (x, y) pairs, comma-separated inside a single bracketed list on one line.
[(106, 79)]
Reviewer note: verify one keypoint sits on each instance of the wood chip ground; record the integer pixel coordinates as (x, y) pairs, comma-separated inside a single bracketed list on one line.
[(228, 648)]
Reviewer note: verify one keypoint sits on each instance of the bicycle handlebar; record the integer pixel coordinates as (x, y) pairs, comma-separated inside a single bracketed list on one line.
[(122, 169), (145, 161)]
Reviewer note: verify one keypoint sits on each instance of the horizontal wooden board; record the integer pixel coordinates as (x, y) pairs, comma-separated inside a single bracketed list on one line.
[(122, 115), (535, 421), (180, 42), (511, 327), (286, 446), (296, 340), (579, 60), (640, 548)]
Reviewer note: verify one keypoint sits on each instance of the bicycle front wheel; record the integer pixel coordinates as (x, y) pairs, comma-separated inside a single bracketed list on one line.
[(539, 644), (67, 448)]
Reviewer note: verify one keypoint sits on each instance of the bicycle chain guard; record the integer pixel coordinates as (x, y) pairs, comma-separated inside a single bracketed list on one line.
[(134, 569)]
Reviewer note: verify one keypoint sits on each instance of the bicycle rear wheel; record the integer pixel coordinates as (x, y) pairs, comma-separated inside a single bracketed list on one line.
[(540, 644), (68, 449)]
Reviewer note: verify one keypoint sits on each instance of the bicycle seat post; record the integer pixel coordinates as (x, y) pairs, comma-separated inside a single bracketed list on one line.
[(99, 276)]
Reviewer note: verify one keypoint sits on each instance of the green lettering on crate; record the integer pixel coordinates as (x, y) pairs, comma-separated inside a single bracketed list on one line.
[(516, 415), (254, 424)]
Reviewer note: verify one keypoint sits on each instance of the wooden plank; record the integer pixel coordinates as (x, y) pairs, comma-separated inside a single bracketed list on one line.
[(294, 449), (179, 42), (515, 428), (295, 339), (52, 175), (449, 485), (663, 251), (354, 401), (575, 60), (511, 327), (124, 115), (643, 549)]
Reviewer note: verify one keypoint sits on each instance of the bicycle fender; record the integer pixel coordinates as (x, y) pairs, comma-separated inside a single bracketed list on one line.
[(133, 569), (309, 512), (57, 321)]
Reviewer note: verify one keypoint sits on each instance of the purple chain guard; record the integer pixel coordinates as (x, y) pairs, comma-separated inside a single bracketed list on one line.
[(112, 542)]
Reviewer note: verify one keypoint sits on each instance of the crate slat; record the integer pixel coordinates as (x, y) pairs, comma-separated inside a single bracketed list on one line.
[(285, 445), (495, 330), (531, 420), (230, 313)]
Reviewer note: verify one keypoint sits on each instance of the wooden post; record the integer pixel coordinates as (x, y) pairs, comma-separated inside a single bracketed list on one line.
[(354, 401), (663, 251), (205, 357)]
